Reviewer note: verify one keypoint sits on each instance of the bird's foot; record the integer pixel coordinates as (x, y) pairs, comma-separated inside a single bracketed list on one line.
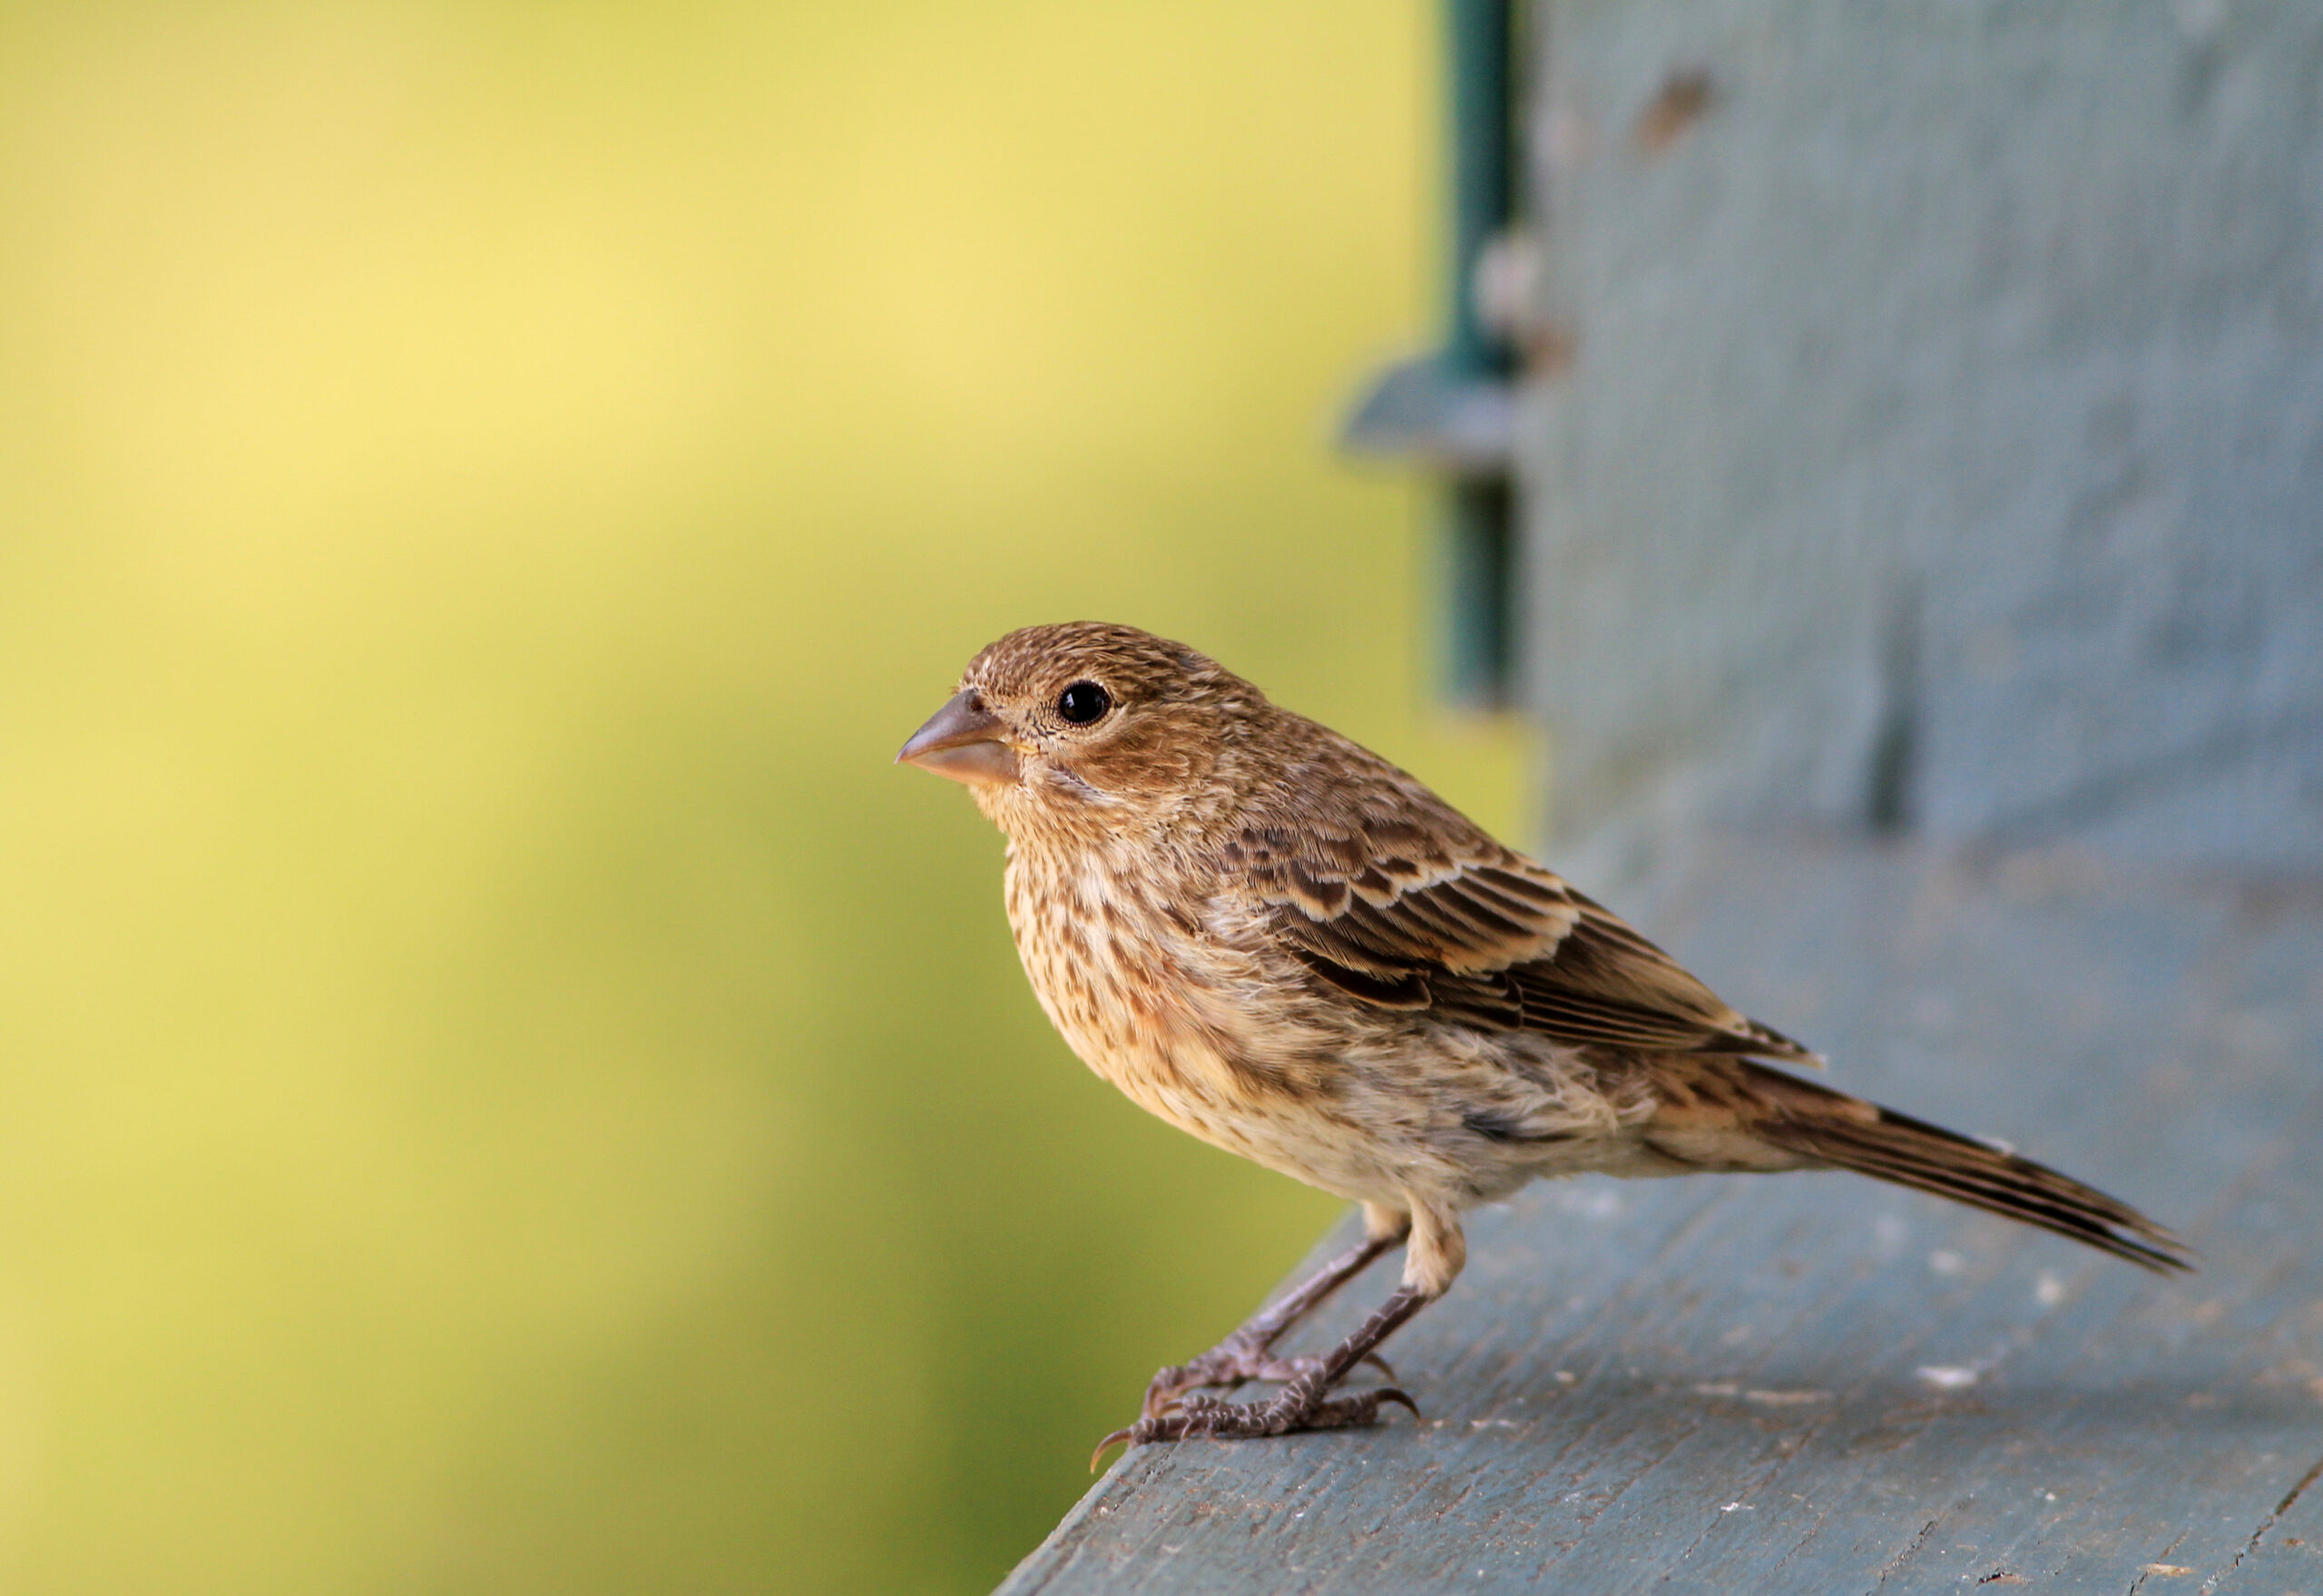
[(1229, 1363), (1301, 1406)]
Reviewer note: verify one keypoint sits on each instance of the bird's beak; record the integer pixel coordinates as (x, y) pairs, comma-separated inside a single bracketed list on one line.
[(963, 740)]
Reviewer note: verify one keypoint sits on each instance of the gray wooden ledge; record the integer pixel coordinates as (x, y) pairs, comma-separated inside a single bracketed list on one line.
[(1812, 1383)]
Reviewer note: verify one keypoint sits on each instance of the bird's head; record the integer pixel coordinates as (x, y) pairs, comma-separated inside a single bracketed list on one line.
[(1086, 728)]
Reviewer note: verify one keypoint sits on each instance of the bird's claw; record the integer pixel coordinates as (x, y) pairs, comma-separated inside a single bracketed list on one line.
[(1169, 1386), (1228, 1365), (1296, 1410), (1107, 1444)]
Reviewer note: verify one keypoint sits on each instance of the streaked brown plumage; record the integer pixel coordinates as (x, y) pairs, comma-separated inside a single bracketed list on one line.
[(1276, 940)]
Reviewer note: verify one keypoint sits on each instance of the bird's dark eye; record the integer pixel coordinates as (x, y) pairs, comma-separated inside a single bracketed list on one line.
[(1084, 702)]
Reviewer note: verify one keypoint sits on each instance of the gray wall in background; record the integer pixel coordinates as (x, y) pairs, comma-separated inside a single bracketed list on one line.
[(1930, 432)]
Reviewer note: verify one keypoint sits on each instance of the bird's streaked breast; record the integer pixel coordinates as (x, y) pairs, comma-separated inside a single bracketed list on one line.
[(1137, 995)]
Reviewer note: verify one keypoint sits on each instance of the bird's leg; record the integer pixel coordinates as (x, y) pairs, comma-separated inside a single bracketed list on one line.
[(1433, 1257), (1245, 1354)]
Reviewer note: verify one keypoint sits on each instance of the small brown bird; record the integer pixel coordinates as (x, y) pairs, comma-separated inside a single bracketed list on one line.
[(1277, 940)]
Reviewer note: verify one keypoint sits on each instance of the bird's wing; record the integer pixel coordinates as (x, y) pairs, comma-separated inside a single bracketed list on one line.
[(1412, 913)]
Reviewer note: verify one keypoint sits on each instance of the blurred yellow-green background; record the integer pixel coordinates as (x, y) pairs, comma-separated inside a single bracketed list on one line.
[(503, 1086)]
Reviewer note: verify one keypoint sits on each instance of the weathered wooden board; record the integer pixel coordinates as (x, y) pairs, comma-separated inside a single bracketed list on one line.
[(1817, 1384)]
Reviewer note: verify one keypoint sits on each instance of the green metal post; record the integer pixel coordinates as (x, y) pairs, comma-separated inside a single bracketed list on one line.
[(1480, 95), (1477, 536)]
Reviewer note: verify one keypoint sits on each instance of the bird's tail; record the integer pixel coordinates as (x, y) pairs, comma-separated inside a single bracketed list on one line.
[(1820, 1128)]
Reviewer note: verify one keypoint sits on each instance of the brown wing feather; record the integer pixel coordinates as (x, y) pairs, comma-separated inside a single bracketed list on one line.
[(1409, 914)]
